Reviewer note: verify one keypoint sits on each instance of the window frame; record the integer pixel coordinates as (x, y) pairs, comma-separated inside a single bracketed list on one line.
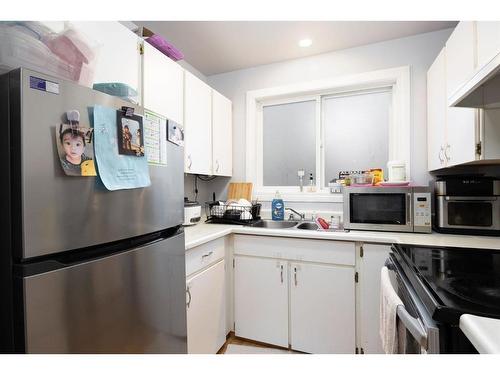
[(399, 136)]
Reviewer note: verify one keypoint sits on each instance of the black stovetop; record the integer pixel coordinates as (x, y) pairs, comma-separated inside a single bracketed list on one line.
[(452, 281)]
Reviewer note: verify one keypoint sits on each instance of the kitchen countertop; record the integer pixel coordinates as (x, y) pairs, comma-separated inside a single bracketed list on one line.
[(203, 232), (483, 333)]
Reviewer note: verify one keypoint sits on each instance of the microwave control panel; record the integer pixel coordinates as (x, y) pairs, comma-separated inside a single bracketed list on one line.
[(422, 209)]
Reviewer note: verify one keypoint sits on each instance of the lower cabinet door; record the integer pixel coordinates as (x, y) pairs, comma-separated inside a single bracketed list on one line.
[(206, 310), (322, 308), (261, 300), (369, 297)]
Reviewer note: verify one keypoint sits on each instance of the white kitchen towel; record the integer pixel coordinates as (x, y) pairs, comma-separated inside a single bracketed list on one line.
[(389, 302)]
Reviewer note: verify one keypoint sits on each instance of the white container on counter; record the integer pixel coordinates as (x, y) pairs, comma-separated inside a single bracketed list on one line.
[(396, 171), (335, 187)]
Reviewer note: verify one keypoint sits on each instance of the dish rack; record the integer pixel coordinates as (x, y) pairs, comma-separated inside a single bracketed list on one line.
[(232, 214)]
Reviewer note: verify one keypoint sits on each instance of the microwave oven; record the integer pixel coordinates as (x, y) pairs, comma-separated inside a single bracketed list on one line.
[(393, 209)]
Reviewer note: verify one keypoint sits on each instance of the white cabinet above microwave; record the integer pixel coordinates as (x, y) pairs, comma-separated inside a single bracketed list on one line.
[(482, 89)]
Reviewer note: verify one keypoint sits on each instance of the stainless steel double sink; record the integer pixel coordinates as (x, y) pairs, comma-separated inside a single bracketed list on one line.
[(271, 224)]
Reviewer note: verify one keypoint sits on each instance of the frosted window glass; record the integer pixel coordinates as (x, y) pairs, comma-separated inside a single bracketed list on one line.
[(289, 143), (356, 132)]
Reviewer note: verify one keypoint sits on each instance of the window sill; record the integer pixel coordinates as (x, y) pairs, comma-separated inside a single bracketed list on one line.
[(264, 196)]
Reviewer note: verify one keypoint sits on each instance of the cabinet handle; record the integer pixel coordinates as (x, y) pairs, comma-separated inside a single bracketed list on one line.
[(295, 275), (189, 295), (217, 166), (281, 267), (207, 254), (190, 162), (446, 152), (440, 155)]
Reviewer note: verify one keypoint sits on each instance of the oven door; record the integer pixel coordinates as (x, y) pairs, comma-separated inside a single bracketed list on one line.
[(478, 213), (372, 208), (422, 331)]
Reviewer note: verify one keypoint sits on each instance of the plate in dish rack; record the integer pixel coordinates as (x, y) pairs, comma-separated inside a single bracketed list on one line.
[(395, 183)]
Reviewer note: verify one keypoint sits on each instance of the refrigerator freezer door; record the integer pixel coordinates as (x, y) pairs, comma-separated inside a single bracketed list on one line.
[(131, 302), (62, 213)]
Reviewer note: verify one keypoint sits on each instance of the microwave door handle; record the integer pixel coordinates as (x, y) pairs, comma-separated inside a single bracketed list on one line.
[(413, 326), (408, 209)]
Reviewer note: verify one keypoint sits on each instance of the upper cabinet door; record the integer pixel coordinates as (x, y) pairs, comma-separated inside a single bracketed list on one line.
[(118, 58), (460, 56), (197, 125), (163, 86), (488, 41), (436, 112), (222, 137)]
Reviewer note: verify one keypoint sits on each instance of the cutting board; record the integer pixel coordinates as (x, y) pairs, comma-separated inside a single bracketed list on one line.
[(238, 190)]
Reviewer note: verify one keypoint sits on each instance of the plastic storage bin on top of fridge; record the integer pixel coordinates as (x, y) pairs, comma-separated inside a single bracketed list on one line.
[(30, 45)]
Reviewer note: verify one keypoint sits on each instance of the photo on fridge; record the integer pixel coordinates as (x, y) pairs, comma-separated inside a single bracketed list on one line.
[(75, 149), (130, 135)]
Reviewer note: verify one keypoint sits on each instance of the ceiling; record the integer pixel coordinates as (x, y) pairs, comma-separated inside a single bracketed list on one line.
[(215, 47)]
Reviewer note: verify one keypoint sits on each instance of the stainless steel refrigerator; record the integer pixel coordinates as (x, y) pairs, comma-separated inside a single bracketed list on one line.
[(83, 269)]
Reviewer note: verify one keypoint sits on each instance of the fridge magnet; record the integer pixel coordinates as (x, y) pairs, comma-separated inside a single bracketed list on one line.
[(130, 134), (75, 151), (117, 171), (175, 133), (155, 140)]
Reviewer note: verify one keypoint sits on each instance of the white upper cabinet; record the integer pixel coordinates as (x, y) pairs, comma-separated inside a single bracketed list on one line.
[(461, 136), (197, 125), (163, 86), (436, 113), (118, 58), (488, 41), (460, 56), (222, 135)]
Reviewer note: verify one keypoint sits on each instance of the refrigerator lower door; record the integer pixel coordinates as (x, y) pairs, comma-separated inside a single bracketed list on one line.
[(130, 302)]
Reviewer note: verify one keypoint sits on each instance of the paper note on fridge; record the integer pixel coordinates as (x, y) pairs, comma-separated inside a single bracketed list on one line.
[(117, 171)]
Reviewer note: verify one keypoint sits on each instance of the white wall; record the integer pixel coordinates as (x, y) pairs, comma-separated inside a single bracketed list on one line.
[(417, 51)]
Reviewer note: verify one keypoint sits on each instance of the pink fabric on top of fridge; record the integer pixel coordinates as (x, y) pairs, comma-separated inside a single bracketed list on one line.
[(165, 47)]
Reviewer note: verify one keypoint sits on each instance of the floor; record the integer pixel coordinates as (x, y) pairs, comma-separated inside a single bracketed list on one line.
[(232, 339)]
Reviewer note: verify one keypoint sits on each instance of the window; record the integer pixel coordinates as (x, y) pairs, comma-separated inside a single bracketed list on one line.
[(347, 123), (356, 131), (289, 138)]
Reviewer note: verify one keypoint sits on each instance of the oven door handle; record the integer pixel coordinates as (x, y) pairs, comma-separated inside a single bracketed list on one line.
[(413, 326)]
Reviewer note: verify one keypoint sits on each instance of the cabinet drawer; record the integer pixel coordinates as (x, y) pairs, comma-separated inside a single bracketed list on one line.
[(201, 256), (309, 250)]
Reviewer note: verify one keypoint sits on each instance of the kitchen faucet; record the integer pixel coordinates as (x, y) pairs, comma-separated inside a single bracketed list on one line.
[(291, 217)]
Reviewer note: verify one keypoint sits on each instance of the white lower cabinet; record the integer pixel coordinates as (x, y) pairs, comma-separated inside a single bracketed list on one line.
[(370, 265), (261, 300), (308, 305), (206, 310), (322, 308)]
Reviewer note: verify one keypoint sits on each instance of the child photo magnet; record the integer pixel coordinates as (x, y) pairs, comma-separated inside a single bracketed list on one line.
[(130, 135), (75, 149)]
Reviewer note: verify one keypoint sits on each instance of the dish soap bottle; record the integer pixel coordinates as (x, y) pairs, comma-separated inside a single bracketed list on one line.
[(277, 207)]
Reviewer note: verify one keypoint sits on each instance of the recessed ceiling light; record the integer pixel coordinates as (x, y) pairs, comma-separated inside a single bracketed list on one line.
[(305, 42)]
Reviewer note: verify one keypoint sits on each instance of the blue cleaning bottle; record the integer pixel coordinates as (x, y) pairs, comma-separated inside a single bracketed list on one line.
[(278, 207)]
